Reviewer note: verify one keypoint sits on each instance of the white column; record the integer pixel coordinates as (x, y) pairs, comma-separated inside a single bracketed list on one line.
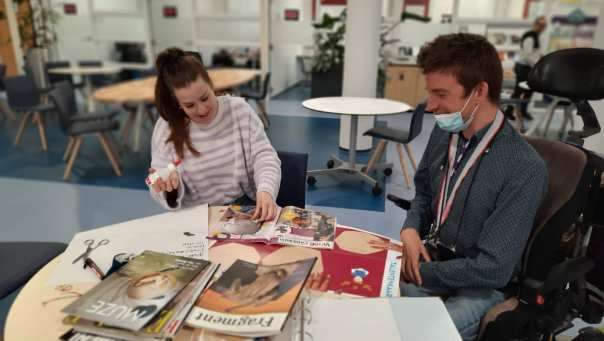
[(362, 42), (265, 41)]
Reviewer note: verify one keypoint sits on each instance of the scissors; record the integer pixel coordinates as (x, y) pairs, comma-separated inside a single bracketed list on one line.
[(90, 248)]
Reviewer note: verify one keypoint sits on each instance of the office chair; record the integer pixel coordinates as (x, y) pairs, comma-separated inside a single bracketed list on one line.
[(292, 191), (400, 137), (19, 261), (77, 125), (24, 97), (552, 287), (260, 99)]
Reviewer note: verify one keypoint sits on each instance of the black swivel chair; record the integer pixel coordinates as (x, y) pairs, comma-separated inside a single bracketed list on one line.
[(19, 261), (260, 99), (540, 304), (77, 125), (292, 191), (552, 288), (24, 97), (400, 137)]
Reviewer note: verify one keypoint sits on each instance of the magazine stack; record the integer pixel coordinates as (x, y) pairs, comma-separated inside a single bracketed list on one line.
[(146, 299)]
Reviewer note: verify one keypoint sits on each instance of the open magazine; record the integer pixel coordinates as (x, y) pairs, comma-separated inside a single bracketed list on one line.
[(292, 226), (132, 296), (361, 264), (250, 299), (164, 326)]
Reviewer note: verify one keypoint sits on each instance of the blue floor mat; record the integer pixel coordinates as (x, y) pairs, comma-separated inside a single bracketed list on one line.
[(316, 136)]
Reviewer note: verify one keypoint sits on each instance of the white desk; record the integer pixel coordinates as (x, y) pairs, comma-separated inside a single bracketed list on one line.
[(31, 319), (86, 72), (355, 107)]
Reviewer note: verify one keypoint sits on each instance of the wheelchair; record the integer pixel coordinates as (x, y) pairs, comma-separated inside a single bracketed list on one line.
[(558, 281)]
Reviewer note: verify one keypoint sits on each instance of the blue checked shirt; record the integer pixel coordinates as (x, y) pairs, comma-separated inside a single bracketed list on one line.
[(492, 215)]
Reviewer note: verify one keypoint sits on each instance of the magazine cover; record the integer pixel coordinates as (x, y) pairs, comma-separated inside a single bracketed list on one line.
[(163, 326), (130, 297), (236, 223), (292, 226), (300, 227), (251, 299), (361, 264)]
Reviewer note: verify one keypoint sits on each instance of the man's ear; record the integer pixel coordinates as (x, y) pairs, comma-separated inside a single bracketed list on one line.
[(482, 91)]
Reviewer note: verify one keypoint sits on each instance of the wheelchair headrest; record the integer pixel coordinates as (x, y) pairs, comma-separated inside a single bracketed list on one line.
[(576, 73)]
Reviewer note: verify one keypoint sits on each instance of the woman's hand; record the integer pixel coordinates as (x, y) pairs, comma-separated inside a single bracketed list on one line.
[(168, 185), (265, 207)]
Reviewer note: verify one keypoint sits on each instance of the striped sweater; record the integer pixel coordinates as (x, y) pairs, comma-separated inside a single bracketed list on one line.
[(236, 158)]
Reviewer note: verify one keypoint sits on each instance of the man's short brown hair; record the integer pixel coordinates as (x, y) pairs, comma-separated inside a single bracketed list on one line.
[(470, 58)]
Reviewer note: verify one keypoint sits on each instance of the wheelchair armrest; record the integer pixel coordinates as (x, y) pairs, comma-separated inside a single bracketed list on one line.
[(400, 202), (531, 290), (567, 271)]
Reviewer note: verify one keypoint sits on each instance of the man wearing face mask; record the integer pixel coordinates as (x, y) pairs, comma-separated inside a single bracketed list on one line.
[(478, 186)]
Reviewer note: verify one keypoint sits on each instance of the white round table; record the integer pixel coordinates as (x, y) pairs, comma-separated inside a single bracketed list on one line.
[(354, 107), (85, 72)]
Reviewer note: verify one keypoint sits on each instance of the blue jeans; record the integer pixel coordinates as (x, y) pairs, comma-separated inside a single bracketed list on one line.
[(465, 306)]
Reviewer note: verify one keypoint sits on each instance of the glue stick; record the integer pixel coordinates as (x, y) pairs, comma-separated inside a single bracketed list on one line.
[(163, 173)]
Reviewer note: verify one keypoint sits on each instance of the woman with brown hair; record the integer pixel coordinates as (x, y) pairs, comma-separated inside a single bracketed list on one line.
[(225, 154)]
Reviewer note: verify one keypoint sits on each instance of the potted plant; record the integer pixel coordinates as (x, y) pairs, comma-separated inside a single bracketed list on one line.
[(36, 21), (328, 65)]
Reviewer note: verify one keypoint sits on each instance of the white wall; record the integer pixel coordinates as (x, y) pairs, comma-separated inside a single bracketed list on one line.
[(289, 40), (438, 8), (97, 25), (171, 32)]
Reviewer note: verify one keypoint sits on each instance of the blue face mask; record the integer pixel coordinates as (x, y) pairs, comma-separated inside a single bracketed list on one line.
[(454, 122)]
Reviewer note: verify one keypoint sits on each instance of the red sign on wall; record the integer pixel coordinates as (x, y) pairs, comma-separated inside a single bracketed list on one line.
[(170, 12), (70, 9), (291, 14)]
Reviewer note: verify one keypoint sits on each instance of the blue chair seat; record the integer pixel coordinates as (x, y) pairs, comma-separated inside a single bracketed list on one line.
[(42, 107), (85, 127), (390, 134), (19, 261)]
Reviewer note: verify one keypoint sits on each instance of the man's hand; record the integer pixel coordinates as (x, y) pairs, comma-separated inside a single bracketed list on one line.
[(265, 207), (168, 185), (413, 248)]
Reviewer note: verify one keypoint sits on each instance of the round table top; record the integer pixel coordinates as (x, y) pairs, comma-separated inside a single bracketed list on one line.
[(143, 90), (356, 105), (85, 70), (29, 306)]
